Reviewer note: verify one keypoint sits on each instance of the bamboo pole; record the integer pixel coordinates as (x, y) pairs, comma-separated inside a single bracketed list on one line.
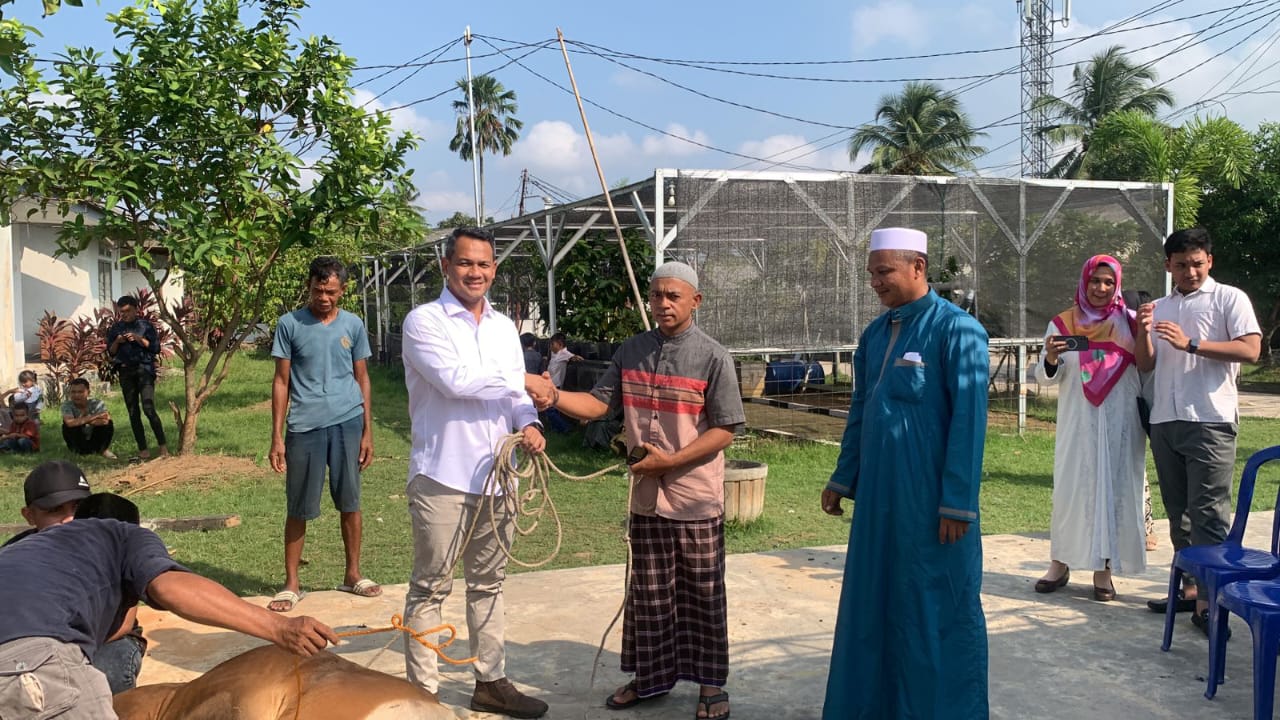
[(604, 187)]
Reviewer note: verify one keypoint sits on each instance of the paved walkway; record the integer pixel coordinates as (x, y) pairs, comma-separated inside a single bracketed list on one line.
[(1052, 656)]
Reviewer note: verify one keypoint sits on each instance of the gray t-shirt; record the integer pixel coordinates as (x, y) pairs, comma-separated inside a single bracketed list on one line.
[(322, 385)]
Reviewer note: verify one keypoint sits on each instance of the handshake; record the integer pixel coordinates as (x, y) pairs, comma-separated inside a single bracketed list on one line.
[(541, 390)]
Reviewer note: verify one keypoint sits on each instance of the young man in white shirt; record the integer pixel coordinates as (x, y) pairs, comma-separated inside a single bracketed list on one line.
[(465, 373), (1194, 340)]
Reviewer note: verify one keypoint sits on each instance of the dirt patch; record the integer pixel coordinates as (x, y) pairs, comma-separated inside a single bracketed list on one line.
[(1005, 420), (187, 471)]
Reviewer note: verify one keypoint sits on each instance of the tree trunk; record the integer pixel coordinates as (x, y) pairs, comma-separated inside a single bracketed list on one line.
[(187, 429)]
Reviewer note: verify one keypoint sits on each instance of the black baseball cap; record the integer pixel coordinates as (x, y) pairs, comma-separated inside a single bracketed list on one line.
[(54, 483)]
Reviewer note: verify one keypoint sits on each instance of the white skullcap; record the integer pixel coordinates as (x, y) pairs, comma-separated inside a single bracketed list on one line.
[(899, 239), (677, 270)]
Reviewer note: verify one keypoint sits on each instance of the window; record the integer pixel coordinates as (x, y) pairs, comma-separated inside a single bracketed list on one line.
[(106, 293)]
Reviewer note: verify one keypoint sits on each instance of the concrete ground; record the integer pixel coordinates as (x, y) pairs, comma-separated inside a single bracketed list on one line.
[(1052, 656)]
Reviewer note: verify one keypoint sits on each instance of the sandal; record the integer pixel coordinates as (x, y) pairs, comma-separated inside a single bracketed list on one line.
[(706, 701), (612, 704), (288, 598)]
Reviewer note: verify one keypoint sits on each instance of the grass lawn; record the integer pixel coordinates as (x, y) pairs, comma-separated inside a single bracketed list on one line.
[(231, 476)]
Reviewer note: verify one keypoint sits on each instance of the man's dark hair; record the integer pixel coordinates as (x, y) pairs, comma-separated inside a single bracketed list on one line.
[(559, 337), (127, 301), (26, 375), (1188, 240), (20, 406), (325, 267), (527, 340), (474, 233), (109, 506), (79, 381)]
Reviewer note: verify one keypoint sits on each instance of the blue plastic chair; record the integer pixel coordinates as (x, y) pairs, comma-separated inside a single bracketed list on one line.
[(1258, 602), (1229, 562)]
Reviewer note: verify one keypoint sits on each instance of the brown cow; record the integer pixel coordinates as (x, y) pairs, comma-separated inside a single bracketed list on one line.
[(263, 684)]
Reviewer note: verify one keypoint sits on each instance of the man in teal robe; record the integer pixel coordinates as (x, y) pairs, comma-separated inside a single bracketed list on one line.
[(911, 639)]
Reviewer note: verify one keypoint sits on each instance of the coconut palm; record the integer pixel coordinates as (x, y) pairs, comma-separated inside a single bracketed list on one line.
[(1198, 157), (497, 128), (919, 131), (1109, 82)]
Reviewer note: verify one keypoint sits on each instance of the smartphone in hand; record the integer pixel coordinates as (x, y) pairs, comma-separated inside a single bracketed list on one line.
[(637, 454), (1077, 343)]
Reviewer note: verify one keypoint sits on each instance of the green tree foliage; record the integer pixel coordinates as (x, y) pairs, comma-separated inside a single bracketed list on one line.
[(920, 131), (1108, 83), (1245, 224), (595, 299), (1200, 156), (497, 127), (194, 137)]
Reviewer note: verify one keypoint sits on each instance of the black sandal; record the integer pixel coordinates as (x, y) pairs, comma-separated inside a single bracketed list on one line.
[(612, 704), (706, 701)]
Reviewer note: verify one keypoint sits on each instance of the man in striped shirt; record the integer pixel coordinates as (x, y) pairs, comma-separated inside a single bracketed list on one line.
[(679, 397)]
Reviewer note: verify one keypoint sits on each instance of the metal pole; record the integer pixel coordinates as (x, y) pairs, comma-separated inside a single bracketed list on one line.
[(604, 187), (549, 262), (471, 121)]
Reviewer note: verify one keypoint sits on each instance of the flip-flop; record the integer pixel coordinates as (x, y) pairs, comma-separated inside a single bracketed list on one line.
[(706, 701), (286, 596), (364, 587), (612, 704)]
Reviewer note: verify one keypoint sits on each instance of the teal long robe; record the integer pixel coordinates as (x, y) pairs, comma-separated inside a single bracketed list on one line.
[(911, 639)]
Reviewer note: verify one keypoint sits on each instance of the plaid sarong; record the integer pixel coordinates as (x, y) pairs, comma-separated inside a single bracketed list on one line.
[(676, 622)]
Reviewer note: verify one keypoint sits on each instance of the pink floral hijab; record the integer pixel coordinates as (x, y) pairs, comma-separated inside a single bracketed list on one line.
[(1110, 331)]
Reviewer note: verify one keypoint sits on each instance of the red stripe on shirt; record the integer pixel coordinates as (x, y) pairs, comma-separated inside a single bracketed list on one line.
[(651, 403), (657, 380)]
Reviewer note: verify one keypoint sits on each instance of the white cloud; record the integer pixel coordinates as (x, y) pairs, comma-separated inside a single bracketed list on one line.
[(894, 21), (550, 145), (51, 99), (402, 119), (665, 146), (443, 203)]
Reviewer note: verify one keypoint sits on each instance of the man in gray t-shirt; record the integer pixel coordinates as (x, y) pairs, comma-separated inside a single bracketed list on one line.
[(322, 381)]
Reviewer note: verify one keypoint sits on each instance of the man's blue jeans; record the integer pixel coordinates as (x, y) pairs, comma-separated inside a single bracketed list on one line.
[(121, 661)]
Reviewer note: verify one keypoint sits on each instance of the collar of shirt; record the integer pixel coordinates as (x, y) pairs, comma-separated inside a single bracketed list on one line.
[(1209, 286), (454, 307), (680, 337), (913, 308)]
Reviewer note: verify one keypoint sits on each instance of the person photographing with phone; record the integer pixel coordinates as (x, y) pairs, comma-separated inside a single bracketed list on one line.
[(680, 405), (1098, 454), (134, 346)]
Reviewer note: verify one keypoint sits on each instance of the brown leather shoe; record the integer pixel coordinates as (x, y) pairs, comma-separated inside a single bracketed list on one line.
[(500, 696), (1048, 586), (1102, 594)]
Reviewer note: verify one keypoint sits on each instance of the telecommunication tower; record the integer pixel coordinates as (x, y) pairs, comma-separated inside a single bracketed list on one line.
[(1038, 19)]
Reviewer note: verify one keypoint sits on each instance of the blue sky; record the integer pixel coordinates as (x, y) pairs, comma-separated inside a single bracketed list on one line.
[(553, 148)]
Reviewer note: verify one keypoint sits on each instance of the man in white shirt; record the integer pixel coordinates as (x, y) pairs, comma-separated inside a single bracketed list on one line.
[(465, 373), (1195, 339), (560, 359)]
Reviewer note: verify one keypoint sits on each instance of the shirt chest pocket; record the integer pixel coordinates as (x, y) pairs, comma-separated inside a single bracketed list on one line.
[(906, 380), (1205, 325)]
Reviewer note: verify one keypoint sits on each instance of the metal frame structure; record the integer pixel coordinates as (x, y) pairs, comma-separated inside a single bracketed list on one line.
[(1037, 80), (665, 214)]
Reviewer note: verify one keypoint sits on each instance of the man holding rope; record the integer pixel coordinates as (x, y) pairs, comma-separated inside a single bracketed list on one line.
[(465, 373), (679, 396)]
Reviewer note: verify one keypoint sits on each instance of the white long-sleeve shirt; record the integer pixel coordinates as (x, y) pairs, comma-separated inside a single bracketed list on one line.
[(466, 390)]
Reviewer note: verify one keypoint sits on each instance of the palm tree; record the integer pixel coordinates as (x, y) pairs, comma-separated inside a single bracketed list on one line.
[(1198, 157), (920, 131), (497, 128), (1109, 82)]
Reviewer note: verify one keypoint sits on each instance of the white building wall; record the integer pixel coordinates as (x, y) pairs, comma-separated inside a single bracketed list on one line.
[(69, 287), (10, 296)]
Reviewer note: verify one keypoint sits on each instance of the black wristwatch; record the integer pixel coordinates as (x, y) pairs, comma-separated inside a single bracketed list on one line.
[(1193, 346)]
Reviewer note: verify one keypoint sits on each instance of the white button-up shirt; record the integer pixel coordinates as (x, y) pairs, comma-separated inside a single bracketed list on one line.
[(466, 390), (1190, 387)]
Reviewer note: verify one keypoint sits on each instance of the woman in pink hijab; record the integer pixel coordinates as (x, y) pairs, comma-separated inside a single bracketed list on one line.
[(1098, 457)]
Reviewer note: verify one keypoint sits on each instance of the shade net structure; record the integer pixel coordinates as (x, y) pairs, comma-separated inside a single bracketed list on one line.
[(782, 258), (782, 261)]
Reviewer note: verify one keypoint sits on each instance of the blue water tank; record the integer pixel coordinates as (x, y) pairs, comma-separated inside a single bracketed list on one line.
[(784, 377)]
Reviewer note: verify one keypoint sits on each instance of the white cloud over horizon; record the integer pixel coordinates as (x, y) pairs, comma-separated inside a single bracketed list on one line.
[(888, 21)]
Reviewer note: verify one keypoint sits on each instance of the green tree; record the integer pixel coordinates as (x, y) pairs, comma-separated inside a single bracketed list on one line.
[(192, 138), (497, 127), (1245, 222), (920, 131), (595, 299), (1108, 83), (1200, 156)]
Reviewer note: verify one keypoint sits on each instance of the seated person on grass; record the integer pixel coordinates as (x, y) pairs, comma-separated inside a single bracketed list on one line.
[(67, 590), (86, 424), (56, 494), (28, 391), (22, 435)]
